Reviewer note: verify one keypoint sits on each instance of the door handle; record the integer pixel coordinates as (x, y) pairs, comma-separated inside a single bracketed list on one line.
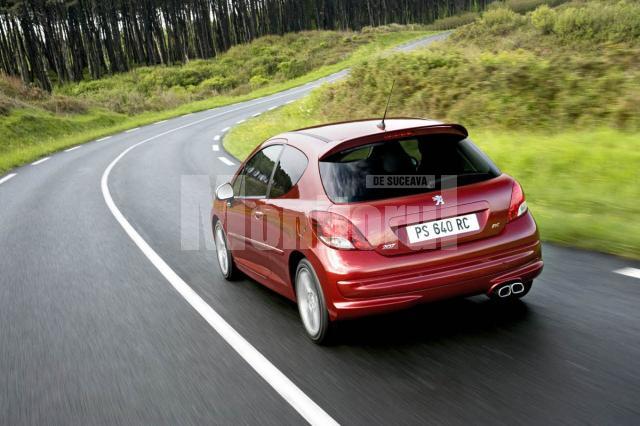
[(258, 214)]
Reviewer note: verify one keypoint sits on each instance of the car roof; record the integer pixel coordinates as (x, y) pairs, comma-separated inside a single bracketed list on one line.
[(319, 140), (336, 132)]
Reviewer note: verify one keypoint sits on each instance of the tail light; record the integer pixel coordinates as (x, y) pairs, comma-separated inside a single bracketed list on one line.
[(518, 205), (338, 232)]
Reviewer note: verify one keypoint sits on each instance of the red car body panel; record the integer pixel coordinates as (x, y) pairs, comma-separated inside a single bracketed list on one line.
[(268, 236)]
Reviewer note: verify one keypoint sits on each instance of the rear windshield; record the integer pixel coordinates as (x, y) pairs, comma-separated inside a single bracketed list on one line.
[(404, 167)]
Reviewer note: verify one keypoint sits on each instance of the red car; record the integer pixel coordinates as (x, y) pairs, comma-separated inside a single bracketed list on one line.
[(359, 218)]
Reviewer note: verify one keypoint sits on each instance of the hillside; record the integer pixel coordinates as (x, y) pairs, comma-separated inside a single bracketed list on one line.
[(552, 95), (34, 122)]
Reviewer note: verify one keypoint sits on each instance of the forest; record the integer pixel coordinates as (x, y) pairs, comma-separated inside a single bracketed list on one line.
[(48, 42)]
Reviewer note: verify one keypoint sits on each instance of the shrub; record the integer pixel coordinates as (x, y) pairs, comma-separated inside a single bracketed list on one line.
[(258, 81), (454, 21), (6, 105), (292, 69), (599, 22), (217, 84), (13, 87), (501, 20), (543, 18), (61, 104), (524, 6)]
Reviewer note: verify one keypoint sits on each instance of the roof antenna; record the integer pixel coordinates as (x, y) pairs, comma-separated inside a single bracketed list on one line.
[(381, 124)]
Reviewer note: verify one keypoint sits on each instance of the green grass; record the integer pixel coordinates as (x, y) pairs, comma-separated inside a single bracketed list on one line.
[(552, 96), (29, 129), (583, 186)]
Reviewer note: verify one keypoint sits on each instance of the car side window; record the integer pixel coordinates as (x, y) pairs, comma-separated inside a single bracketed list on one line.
[(253, 180), (289, 170)]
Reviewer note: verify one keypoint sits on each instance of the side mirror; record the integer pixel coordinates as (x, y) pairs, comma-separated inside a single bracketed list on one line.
[(224, 192)]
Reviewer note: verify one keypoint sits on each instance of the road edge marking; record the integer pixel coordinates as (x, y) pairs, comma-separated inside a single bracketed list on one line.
[(7, 177), (40, 161), (629, 272), (288, 390), (226, 161)]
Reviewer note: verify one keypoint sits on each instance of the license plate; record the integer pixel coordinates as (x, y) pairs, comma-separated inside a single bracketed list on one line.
[(442, 228)]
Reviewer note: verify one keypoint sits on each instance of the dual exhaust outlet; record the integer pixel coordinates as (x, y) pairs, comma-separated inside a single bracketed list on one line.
[(507, 290)]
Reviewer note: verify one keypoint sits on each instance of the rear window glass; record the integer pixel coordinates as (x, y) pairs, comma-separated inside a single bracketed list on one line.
[(404, 167)]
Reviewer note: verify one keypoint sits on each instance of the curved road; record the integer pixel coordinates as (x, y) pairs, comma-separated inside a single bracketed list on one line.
[(97, 328)]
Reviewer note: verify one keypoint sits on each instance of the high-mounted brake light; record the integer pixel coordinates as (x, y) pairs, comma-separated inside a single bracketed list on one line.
[(398, 135), (338, 232), (518, 205)]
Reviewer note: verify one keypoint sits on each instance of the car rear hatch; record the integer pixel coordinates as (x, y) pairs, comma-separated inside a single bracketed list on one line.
[(418, 189)]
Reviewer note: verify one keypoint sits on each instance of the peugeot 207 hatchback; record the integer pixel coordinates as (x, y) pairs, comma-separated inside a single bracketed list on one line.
[(359, 218)]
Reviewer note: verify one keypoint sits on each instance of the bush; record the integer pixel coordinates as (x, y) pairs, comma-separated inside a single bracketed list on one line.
[(6, 105), (600, 22), (217, 84), (258, 81), (524, 6), (544, 18), (454, 21), (501, 20), (60, 104)]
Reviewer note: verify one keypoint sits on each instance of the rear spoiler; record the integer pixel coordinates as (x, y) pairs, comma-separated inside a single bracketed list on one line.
[(452, 129)]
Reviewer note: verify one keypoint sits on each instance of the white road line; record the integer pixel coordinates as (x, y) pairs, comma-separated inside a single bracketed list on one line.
[(7, 177), (240, 121), (215, 147), (132, 130), (225, 129), (273, 107), (103, 139), (290, 102), (304, 405), (160, 122), (42, 160), (188, 114), (216, 138), (629, 272), (226, 161), (256, 114), (72, 149)]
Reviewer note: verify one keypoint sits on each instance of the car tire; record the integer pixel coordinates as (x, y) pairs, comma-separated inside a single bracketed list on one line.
[(223, 253), (311, 304)]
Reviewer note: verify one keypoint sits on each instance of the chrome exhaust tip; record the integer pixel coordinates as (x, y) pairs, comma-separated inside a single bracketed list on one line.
[(504, 291), (517, 288)]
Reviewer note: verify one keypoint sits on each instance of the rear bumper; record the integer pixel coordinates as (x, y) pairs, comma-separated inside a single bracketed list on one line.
[(365, 283)]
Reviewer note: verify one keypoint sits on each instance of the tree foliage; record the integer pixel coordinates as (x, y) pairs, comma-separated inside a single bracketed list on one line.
[(45, 41)]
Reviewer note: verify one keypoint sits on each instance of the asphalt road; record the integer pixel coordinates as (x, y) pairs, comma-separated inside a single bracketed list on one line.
[(94, 330)]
